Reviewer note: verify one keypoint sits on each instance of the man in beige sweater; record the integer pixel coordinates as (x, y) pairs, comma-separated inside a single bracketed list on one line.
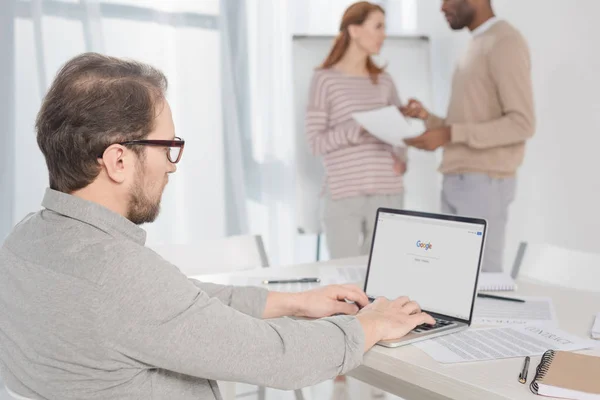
[(490, 116)]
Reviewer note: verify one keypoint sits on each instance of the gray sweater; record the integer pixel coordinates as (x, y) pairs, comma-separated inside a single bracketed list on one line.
[(88, 312)]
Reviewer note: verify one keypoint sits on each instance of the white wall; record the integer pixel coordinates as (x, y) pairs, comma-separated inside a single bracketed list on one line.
[(558, 194)]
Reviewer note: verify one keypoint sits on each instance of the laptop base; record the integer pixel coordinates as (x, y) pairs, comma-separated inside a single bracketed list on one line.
[(414, 337)]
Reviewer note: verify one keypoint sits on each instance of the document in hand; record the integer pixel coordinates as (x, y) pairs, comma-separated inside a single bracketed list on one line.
[(387, 124)]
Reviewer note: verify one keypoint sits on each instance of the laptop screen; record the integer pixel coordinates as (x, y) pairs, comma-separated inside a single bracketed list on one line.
[(432, 260)]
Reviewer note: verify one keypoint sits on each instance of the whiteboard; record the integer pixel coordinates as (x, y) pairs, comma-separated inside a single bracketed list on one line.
[(408, 62)]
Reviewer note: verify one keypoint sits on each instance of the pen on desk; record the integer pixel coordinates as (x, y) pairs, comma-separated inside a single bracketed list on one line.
[(491, 296), (301, 280), (523, 374)]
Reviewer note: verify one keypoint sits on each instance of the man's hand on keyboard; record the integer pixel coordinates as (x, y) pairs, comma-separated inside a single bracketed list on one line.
[(330, 300), (391, 319)]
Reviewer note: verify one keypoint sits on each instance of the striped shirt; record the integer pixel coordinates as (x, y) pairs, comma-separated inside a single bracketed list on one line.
[(356, 163)]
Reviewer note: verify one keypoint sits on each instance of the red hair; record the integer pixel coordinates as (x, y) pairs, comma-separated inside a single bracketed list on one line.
[(356, 14)]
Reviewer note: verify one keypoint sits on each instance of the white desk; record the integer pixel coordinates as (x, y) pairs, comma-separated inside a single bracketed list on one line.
[(410, 373)]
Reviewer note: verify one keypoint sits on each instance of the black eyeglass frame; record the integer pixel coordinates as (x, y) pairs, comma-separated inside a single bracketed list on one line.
[(178, 142)]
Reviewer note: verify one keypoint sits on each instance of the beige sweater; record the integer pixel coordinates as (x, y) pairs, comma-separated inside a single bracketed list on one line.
[(491, 110)]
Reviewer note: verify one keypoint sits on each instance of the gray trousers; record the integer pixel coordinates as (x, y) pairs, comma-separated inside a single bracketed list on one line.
[(348, 223), (479, 195)]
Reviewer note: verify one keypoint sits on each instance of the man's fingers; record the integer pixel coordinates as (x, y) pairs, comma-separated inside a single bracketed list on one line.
[(411, 141), (380, 300), (412, 307), (354, 294), (413, 102), (422, 318), (361, 297), (417, 141), (341, 307), (401, 301), (410, 112), (421, 145)]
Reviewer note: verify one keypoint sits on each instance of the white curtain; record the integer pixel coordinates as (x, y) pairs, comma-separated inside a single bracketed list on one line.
[(271, 208), (258, 123), (179, 37)]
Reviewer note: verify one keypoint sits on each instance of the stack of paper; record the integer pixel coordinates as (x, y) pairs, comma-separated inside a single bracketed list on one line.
[(596, 328), (497, 343), (535, 311)]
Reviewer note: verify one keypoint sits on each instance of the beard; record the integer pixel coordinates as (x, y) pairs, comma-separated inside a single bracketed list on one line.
[(142, 208), (462, 17)]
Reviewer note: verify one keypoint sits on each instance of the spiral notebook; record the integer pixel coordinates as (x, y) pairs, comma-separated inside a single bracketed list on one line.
[(496, 282), (567, 375)]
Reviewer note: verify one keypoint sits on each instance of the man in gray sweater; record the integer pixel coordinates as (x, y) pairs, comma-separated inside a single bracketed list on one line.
[(88, 312)]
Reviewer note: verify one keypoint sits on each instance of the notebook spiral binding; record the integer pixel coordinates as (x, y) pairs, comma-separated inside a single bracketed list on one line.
[(542, 370)]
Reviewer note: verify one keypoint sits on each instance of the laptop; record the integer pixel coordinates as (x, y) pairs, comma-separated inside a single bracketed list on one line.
[(433, 259)]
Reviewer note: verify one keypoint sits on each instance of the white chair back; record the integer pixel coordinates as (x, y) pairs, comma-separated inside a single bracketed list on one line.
[(558, 266), (233, 253)]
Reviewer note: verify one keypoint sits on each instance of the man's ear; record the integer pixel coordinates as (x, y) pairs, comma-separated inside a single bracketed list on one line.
[(113, 161)]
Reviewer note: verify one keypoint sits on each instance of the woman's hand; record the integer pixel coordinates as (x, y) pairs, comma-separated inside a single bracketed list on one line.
[(399, 165)]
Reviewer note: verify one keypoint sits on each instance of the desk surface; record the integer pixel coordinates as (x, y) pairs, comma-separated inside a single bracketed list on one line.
[(410, 373)]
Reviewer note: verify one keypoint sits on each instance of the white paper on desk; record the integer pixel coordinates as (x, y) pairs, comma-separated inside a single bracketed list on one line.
[(387, 124), (343, 275), (328, 276), (596, 327), (275, 287), (498, 343), (495, 281), (535, 311)]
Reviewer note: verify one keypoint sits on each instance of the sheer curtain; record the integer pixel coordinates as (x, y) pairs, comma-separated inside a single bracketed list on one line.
[(257, 111), (179, 37)]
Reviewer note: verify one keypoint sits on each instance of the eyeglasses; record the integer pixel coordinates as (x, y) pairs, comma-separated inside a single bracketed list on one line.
[(175, 147)]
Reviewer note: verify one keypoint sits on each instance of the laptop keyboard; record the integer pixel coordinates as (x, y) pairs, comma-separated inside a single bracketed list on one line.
[(439, 323)]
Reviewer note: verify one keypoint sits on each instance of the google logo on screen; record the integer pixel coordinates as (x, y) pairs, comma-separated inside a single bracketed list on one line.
[(423, 245)]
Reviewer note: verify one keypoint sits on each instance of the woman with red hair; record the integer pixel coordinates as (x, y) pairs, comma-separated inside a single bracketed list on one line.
[(362, 172)]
